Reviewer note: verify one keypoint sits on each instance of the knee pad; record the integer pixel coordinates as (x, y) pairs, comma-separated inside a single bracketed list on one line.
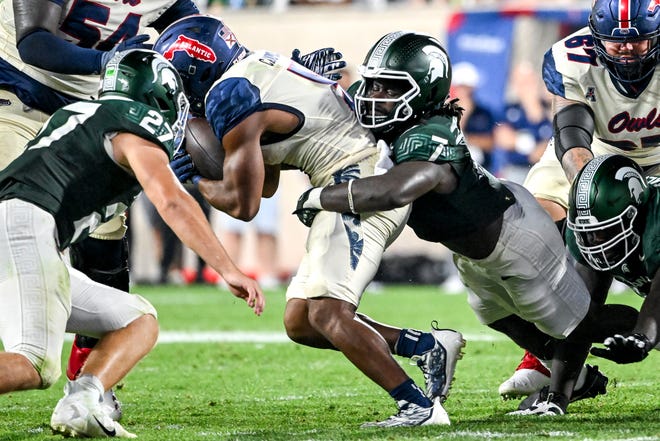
[(104, 261)]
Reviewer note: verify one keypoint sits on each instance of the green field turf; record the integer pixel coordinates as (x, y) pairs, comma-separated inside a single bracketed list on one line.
[(242, 380)]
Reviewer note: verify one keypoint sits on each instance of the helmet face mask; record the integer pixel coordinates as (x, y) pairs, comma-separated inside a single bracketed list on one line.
[(201, 48), (146, 76), (605, 245), (604, 207), (417, 60), (627, 21), (367, 107)]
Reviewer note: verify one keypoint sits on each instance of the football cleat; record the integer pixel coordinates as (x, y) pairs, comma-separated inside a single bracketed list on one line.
[(80, 414), (542, 407), (595, 384), (439, 363), (411, 414), (111, 405), (530, 377)]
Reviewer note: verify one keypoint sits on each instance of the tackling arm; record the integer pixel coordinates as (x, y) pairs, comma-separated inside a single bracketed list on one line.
[(401, 185), (182, 213)]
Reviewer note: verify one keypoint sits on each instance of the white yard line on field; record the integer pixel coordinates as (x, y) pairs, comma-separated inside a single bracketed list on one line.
[(258, 337)]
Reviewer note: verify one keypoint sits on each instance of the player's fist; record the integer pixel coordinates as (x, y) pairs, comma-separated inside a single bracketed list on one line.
[(309, 204), (624, 349)]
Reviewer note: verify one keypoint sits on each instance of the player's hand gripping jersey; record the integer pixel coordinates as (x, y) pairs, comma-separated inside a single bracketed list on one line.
[(82, 198), (328, 138)]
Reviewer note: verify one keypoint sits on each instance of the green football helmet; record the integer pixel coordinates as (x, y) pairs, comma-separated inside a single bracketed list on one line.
[(605, 201), (146, 76), (417, 60)]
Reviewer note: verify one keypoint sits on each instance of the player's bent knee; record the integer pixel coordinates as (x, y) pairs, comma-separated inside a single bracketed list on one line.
[(47, 366)]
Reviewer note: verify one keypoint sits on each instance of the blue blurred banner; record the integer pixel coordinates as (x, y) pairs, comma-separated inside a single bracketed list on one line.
[(485, 39)]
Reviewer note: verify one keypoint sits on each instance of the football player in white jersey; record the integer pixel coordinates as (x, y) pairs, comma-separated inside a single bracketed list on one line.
[(605, 86), (51, 53), (272, 114)]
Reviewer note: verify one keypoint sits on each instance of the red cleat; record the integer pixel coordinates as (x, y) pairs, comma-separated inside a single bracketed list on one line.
[(530, 377)]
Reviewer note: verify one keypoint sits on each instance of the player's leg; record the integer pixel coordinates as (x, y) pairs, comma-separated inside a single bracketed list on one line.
[(547, 181), (435, 352), (341, 259), (35, 298), (127, 329), (103, 257)]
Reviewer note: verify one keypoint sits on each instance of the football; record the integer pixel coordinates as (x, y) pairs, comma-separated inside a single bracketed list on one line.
[(204, 148)]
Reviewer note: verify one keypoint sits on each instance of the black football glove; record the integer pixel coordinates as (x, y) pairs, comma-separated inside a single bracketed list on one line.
[(325, 62), (309, 204), (184, 169), (624, 349)]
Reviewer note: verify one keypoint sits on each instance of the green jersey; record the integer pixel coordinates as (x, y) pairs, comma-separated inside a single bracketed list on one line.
[(478, 200), (68, 170), (638, 270)]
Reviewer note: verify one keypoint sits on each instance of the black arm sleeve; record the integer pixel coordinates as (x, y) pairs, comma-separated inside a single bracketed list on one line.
[(573, 126)]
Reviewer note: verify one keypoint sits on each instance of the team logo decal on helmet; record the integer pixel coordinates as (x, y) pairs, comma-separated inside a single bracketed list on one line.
[(194, 49), (636, 183), (653, 6)]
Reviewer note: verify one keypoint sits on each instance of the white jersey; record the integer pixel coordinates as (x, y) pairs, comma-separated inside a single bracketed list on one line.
[(105, 17), (623, 125), (328, 138)]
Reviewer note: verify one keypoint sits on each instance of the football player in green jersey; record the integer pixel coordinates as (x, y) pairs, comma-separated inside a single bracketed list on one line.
[(507, 249), (87, 165), (614, 233)]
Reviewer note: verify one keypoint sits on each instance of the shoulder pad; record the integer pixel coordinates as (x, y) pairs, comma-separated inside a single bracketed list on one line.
[(229, 102), (436, 140)]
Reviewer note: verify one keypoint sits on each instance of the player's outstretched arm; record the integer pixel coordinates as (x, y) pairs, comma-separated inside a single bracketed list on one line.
[(396, 188), (182, 213)]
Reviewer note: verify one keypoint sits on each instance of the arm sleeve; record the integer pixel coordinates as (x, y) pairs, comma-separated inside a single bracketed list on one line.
[(61, 56)]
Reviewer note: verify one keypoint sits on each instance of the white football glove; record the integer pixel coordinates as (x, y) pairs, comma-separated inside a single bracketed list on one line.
[(384, 162)]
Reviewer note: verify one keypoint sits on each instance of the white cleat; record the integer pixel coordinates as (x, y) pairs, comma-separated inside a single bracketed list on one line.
[(439, 364), (80, 414), (411, 414)]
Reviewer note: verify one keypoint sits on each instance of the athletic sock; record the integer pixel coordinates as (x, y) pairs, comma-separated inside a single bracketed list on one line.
[(408, 391)]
